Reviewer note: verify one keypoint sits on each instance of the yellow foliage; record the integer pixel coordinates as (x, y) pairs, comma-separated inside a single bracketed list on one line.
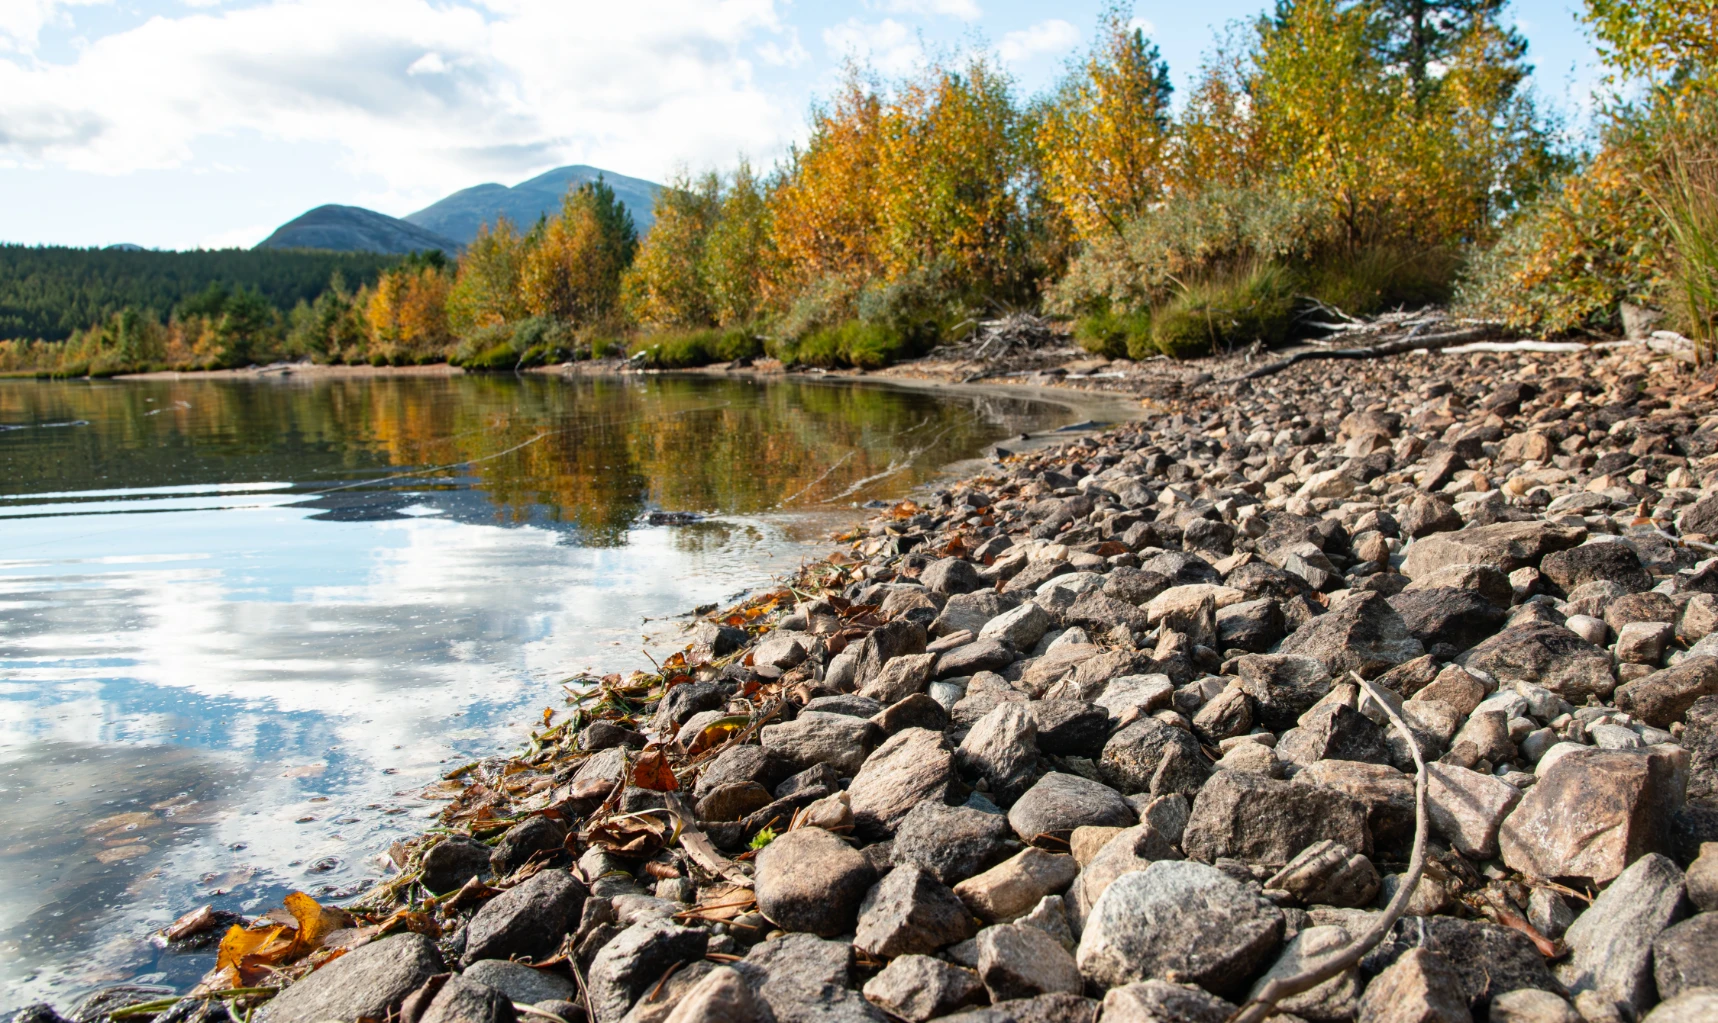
[(665, 286), (407, 315), (485, 290), (825, 219)]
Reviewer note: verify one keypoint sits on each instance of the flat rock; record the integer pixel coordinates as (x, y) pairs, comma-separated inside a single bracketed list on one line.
[(1611, 943), (1591, 815), (528, 919), (1546, 655), (911, 767), (1468, 807), (1015, 886), (810, 880), (1179, 919), (1364, 634), (1505, 546), (951, 842), (909, 912), (521, 983), (1449, 617), (818, 737), (1265, 821), (1664, 697), (1160, 1001), (370, 981), (1610, 562), (1058, 803)]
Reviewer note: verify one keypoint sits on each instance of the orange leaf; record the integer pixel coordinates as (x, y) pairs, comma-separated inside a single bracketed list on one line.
[(315, 922), (652, 772)]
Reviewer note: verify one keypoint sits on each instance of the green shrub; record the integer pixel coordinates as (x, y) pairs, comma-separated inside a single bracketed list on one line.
[(1382, 278), (1222, 313), (533, 341), (1116, 335), (854, 343), (685, 349)]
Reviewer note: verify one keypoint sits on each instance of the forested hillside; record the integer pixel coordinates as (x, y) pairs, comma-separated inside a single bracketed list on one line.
[(48, 292)]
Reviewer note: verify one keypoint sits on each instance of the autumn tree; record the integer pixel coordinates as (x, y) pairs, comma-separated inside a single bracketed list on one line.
[(824, 218), (666, 286), (407, 315), (572, 271), (1103, 136), (739, 257), (485, 290)]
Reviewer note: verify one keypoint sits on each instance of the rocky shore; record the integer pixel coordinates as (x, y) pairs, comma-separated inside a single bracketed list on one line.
[(1123, 730)]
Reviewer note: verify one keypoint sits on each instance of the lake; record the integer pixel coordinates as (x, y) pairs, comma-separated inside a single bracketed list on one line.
[(243, 622)]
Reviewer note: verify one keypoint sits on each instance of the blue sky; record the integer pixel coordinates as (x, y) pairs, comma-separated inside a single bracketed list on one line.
[(183, 123)]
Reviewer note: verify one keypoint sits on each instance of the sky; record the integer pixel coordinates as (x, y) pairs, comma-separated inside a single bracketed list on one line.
[(207, 123)]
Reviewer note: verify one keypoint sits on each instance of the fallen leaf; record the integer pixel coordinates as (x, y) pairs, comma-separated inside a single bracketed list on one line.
[(315, 922), (652, 772)]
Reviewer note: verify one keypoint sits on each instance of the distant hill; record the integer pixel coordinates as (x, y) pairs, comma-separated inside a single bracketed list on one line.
[(462, 213), (355, 229)]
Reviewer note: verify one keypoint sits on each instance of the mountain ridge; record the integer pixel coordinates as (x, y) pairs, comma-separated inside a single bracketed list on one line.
[(355, 229), (460, 215)]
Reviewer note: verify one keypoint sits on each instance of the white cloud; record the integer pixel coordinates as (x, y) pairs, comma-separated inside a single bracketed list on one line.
[(1052, 36), (887, 45), (1142, 25), (237, 238), (22, 21), (423, 94), (965, 10)]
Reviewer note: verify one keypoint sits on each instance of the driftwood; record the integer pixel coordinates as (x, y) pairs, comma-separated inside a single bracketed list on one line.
[(1407, 344), (1264, 1003)]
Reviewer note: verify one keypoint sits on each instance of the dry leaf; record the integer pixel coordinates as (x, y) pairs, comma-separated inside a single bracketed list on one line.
[(652, 772)]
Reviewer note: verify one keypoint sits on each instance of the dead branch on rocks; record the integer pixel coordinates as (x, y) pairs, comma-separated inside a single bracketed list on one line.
[(1261, 1006), (1410, 343)]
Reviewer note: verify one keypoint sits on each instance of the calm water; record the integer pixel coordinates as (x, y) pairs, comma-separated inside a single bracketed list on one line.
[(243, 623)]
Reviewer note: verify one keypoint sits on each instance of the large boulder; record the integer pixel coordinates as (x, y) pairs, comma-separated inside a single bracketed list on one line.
[(1364, 634), (1183, 921)]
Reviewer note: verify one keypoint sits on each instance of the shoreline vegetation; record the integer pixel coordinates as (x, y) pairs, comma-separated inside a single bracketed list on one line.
[(1332, 161), (1050, 740)]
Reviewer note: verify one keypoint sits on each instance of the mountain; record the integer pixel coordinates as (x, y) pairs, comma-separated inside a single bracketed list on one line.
[(462, 213), (355, 229)]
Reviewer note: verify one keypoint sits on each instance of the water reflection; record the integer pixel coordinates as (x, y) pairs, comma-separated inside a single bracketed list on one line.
[(242, 624)]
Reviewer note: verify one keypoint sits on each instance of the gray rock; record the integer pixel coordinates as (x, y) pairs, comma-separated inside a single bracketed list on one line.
[(1532, 1006), (453, 861), (970, 612), (369, 982), (952, 575), (981, 655), (1128, 850), (952, 843), (815, 737), (854, 704), (1468, 807), (1159, 1001), (1611, 944), (1334, 731), (1329, 874), (909, 912), (628, 966), (1546, 655), (900, 678), (920, 710), (1099, 614), (1058, 803), (1012, 888), (1020, 628), (528, 919), (1181, 919), (733, 801), (1364, 634), (720, 996), (892, 639), (1224, 716), (1448, 617), (1020, 961), (739, 763), (1002, 749), (1133, 755), (1131, 696), (918, 988), (1484, 580), (1265, 821), (1489, 959), (1699, 1006), (1253, 626), (1591, 814), (1701, 880), (1283, 687), (1685, 956), (1387, 794), (463, 1000), (1333, 1000), (1427, 513), (520, 982), (1070, 727), (910, 767), (805, 979), (810, 880), (1597, 562), (684, 700), (1419, 987)]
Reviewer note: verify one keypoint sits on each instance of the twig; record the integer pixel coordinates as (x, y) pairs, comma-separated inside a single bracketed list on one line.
[(1262, 1004), (1409, 344)]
